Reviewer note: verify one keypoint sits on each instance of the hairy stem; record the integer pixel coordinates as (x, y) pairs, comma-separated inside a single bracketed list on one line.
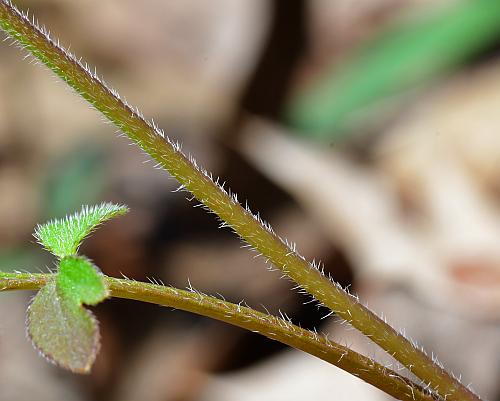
[(247, 318), (245, 224)]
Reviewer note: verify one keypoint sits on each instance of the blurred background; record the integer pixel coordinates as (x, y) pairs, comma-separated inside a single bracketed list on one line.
[(366, 131)]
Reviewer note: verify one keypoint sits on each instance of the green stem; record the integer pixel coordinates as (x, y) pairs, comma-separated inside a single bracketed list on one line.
[(267, 325), (245, 224)]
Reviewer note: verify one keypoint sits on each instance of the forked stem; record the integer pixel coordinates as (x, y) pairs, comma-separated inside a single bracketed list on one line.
[(245, 224), (267, 325)]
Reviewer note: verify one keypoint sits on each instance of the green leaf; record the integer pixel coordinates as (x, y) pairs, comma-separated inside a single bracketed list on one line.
[(62, 237), (401, 57), (62, 330), (58, 324), (75, 177), (79, 280), (17, 257)]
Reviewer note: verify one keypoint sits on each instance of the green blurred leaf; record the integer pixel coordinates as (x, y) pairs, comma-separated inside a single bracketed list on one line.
[(402, 57), (78, 279), (62, 330), (21, 258), (76, 177), (62, 237)]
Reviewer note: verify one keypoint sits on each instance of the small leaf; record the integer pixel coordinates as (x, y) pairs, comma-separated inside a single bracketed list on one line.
[(62, 330), (78, 279), (62, 237)]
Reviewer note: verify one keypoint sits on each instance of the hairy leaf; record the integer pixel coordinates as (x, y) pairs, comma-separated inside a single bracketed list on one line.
[(79, 280), (62, 330), (62, 237)]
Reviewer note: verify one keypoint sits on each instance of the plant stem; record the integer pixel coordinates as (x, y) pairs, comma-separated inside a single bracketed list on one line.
[(249, 319), (200, 184)]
